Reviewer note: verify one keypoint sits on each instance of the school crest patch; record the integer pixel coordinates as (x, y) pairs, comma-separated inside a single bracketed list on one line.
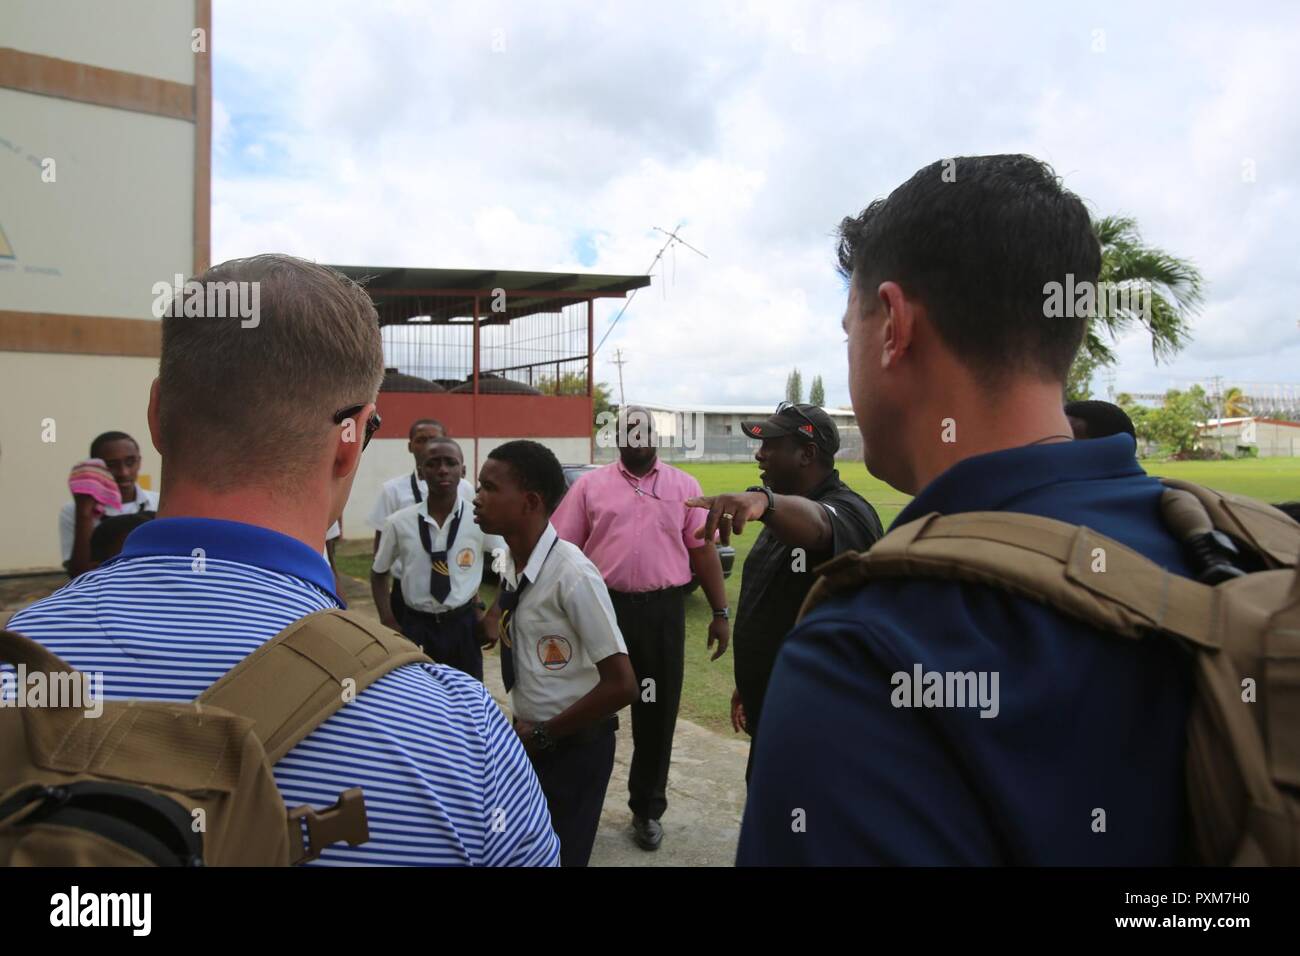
[(466, 557), (554, 652)]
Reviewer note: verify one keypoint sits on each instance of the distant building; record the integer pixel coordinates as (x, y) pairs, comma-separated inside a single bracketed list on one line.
[(713, 433), (1269, 437)]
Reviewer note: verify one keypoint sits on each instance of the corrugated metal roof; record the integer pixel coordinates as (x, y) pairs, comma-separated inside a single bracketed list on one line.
[(446, 295)]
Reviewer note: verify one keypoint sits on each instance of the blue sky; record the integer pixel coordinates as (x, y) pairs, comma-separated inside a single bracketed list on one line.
[(509, 136)]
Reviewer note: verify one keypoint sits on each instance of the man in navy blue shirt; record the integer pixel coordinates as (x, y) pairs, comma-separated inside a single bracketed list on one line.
[(1072, 750)]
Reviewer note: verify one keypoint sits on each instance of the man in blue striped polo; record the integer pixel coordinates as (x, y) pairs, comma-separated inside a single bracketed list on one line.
[(261, 430)]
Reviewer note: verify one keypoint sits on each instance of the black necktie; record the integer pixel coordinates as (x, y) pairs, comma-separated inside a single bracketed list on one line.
[(509, 600), (415, 489), (440, 576)]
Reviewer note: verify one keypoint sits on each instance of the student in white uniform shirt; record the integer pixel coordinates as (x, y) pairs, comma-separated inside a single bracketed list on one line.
[(441, 551), (572, 673), (406, 490), (77, 520)]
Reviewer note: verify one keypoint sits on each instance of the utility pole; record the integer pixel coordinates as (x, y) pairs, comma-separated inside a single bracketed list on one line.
[(620, 362), (1218, 403)]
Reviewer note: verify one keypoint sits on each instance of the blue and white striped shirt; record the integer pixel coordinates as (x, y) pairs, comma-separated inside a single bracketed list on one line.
[(446, 781)]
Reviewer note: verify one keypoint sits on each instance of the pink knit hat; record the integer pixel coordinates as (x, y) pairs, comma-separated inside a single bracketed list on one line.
[(92, 477)]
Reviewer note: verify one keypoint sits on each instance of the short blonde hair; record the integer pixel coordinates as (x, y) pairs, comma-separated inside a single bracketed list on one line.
[(245, 402)]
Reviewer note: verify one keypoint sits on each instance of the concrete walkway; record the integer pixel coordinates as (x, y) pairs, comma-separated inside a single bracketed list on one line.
[(706, 787)]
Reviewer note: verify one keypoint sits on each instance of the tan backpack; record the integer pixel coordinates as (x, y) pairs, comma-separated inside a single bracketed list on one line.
[(1243, 731), (154, 783)]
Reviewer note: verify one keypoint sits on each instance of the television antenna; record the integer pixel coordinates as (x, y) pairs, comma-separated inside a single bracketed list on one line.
[(673, 239)]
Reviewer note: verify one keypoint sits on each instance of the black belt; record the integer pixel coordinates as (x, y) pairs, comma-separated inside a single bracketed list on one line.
[(588, 734), (438, 617), (645, 597)]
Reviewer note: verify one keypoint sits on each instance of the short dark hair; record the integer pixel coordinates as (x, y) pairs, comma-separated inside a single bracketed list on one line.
[(976, 239), (107, 437), (444, 440), (410, 435), (1101, 418), (106, 540), (535, 468)]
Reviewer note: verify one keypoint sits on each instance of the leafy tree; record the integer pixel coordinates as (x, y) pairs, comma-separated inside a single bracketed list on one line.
[(1235, 403), (1078, 386), (794, 387), (575, 383), (1176, 289), (1174, 425), (817, 394)]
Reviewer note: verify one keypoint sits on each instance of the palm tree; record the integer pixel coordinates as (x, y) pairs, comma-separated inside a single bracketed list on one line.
[(1235, 403), (1175, 284)]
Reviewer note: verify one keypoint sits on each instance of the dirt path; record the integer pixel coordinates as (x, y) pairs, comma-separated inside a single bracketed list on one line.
[(706, 788)]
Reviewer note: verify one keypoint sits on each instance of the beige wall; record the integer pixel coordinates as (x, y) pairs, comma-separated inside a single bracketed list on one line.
[(151, 37), (84, 395), (118, 218)]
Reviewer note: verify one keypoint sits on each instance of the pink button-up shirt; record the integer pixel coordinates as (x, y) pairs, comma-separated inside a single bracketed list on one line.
[(639, 542)]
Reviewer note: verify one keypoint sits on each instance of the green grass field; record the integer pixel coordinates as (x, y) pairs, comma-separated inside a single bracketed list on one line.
[(706, 694)]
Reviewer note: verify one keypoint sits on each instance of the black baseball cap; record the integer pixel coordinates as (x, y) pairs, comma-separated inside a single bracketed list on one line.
[(808, 422)]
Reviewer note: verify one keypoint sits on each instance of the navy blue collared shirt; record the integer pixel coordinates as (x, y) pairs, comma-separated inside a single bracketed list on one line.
[(445, 779), (1083, 762)]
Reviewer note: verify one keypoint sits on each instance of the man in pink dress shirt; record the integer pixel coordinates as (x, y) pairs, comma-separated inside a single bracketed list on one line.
[(631, 521)]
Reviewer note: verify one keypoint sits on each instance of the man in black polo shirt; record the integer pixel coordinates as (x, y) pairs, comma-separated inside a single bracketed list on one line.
[(809, 516)]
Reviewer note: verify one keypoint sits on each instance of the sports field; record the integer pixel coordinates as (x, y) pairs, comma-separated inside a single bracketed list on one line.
[(706, 695)]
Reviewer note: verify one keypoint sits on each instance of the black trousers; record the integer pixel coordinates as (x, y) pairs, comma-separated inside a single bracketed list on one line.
[(450, 640), (654, 628), (574, 777)]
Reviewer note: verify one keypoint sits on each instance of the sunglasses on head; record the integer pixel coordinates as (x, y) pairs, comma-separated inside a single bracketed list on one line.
[(372, 424), (791, 406)]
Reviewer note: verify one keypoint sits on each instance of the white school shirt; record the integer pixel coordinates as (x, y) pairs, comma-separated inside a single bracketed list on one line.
[(400, 543), (563, 626), (396, 495), (144, 501)]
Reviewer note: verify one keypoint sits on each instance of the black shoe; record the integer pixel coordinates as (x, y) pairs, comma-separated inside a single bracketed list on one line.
[(647, 833)]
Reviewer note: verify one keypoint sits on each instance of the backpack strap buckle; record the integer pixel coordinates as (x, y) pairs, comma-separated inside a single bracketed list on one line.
[(312, 830)]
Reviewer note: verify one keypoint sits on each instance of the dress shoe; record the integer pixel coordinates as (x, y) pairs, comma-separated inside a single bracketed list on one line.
[(647, 833)]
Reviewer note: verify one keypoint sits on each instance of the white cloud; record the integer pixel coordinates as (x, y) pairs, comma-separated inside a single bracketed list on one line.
[(496, 136)]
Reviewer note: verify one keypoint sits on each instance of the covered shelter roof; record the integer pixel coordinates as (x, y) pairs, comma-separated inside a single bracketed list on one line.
[(446, 296)]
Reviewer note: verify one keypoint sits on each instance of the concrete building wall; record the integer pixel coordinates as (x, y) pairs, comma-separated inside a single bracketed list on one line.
[(71, 398), (150, 37), (117, 219), (1270, 439), (118, 98)]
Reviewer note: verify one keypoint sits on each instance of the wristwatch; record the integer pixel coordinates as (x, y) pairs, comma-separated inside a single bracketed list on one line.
[(723, 613), (542, 739), (771, 500)]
